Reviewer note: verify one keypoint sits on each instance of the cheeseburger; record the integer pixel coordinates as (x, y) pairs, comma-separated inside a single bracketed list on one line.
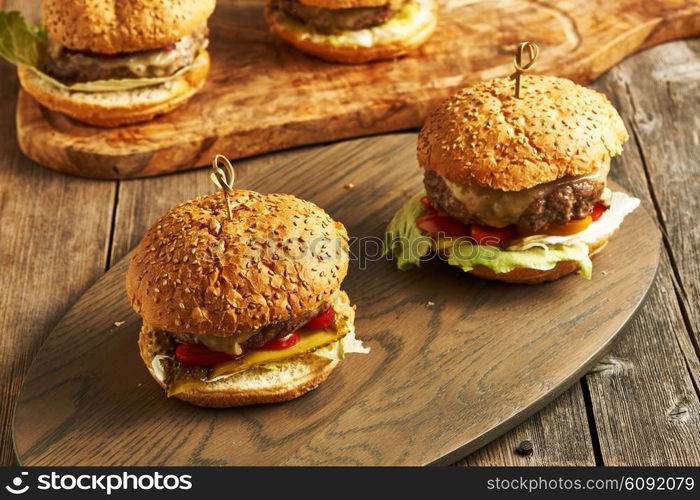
[(353, 31), (246, 309), (515, 188), (111, 63)]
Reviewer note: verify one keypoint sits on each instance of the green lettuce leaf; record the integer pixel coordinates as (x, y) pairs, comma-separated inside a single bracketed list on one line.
[(402, 238), (25, 44), (20, 42), (405, 242), (467, 255)]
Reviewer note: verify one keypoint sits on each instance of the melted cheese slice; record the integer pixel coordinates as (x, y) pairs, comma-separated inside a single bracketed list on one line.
[(498, 208), (310, 341)]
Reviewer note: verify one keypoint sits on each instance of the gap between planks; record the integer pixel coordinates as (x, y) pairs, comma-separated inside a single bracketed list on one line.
[(113, 227), (677, 278)]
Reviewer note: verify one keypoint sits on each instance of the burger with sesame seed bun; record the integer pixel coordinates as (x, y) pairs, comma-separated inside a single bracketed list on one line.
[(515, 188), (353, 31), (111, 63), (247, 309)]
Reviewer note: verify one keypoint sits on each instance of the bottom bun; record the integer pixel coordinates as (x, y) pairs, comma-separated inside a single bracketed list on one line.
[(329, 48), (528, 276), (258, 385), (120, 107)]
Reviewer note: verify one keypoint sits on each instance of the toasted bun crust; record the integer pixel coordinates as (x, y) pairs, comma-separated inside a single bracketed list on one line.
[(196, 271), (484, 136), (109, 27), (110, 109), (527, 276), (344, 4), (255, 386), (352, 53)]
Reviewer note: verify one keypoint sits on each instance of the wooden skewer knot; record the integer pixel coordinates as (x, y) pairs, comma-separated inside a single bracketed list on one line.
[(533, 52), (223, 177)]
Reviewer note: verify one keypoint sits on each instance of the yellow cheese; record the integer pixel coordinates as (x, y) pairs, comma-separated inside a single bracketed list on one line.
[(310, 341)]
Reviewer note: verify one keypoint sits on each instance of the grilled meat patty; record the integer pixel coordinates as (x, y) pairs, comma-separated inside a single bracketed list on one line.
[(263, 335), (70, 66), (335, 20), (564, 202)]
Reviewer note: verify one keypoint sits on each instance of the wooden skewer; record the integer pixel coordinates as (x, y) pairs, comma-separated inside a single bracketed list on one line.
[(224, 176), (533, 52)]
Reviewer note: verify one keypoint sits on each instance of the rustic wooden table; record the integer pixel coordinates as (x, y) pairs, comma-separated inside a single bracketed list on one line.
[(639, 406)]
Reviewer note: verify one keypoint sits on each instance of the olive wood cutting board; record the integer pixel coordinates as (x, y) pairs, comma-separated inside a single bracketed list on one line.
[(455, 360), (263, 95)]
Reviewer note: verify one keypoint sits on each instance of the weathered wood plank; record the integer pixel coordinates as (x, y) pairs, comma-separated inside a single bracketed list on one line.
[(559, 433), (645, 404), (666, 124), (55, 232)]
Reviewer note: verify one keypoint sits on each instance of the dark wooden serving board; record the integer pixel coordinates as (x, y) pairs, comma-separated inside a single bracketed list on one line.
[(263, 95), (441, 380)]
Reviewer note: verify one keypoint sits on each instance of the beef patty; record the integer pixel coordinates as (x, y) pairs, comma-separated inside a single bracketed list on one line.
[(265, 334), (70, 66), (335, 20), (566, 201)]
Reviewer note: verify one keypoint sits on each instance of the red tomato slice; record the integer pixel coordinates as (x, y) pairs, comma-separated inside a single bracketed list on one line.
[(281, 343), (598, 210), (441, 224), (493, 236), (427, 205), (323, 320), (199, 355)]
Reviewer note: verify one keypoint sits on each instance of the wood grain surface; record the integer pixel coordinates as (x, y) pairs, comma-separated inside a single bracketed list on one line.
[(54, 239), (258, 97), (618, 414), (654, 371), (442, 380)]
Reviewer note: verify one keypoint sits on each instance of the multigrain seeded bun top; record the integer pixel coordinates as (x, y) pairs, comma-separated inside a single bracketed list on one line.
[(196, 271), (484, 136), (109, 27)]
